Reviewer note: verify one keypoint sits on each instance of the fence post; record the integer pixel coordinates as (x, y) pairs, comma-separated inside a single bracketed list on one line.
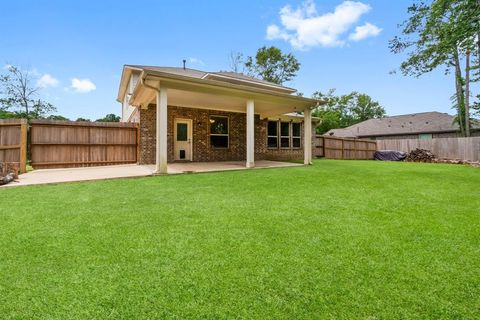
[(343, 149), (138, 144), (23, 146), (355, 148), (323, 146)]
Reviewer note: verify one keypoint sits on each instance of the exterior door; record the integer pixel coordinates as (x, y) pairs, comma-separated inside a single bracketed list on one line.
[(183, 140)]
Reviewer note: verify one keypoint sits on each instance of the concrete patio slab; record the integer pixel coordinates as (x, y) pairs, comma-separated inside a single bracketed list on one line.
[(49, 176)]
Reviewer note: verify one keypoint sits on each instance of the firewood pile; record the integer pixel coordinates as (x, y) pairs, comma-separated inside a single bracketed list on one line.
[(420, 155), (8, 172)]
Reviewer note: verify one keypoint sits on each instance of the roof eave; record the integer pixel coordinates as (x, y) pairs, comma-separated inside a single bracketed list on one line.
[(274, 87), (163, 75), (124, 81)]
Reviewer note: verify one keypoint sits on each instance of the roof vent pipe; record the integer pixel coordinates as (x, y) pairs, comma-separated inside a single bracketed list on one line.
[(184, 61)]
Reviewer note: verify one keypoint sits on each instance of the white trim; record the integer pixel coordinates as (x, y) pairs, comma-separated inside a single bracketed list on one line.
[(307, 141), (161, 155), (280, 88), (134, 112), (250, 134)]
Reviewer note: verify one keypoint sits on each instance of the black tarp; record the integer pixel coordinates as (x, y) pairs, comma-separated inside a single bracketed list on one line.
[(389, 155)]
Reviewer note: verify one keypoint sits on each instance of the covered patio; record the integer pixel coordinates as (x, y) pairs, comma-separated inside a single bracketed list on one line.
[(54, 176), (160, 90)]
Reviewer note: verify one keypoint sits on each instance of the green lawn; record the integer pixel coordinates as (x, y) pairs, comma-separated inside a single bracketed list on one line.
[(336, 240)]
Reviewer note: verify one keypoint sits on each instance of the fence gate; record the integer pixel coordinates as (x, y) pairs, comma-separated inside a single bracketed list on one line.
[(63, 144), (13, 142)]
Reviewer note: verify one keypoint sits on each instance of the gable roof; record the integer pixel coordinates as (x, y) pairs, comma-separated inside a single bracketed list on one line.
[(222, 76), (415, 123)]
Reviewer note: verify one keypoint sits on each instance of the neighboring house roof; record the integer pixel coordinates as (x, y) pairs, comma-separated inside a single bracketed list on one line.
[(415, 123)]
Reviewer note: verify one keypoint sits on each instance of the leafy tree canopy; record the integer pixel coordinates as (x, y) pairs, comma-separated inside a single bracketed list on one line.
[(83, 119), (57, 117), (109, 118), (272, 65), (340, 111), (443, 34)]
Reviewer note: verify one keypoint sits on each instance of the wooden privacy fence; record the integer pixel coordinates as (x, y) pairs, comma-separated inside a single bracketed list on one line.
[(62, 144), (442, 148), (344, 148), (13, 142)]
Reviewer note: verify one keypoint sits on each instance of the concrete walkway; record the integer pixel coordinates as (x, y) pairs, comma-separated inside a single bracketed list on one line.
[(47, 176)]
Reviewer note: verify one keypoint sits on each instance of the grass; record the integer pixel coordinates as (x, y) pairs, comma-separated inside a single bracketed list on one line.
[(337, 240)]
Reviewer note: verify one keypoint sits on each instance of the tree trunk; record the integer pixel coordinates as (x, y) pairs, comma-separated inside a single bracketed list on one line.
[(459, 91), (478, 47), (467, 93)]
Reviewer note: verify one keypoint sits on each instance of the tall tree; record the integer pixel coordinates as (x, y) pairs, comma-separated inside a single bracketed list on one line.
[(442, 33), (19, 95), (272, 65), (236, 62), (109, 118), (345, 110)]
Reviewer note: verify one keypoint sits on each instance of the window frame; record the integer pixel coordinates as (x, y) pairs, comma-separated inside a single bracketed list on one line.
[(299, 137), (276, 136), (210, 134), (289, 137)]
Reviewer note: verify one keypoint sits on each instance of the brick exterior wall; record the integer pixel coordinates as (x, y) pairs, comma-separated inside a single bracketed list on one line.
[(202, 151)]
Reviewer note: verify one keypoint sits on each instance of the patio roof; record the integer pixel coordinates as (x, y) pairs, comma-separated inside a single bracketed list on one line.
[(217, 91)]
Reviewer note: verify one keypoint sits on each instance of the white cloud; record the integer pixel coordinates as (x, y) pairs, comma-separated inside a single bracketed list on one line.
[(304, 27), (365, 31), (274, 32), (46, 81), (83, 85), (196, 61)]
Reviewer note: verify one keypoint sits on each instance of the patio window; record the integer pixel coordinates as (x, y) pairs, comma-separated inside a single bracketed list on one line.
[(219, 132), (296, 135), (285, 134), (272, 132)]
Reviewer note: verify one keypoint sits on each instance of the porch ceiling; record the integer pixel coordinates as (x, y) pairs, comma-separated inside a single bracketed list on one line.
[(206, 95)]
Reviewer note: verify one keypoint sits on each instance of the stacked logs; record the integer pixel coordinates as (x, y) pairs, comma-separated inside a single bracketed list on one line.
[(420, 155), (8, 172)]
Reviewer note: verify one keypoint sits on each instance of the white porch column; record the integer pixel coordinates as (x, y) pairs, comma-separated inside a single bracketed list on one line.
[(307, 131), (161, 154), (250, 134)]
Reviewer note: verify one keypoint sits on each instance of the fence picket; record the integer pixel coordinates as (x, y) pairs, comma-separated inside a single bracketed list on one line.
[(344, 148), (443, 148)]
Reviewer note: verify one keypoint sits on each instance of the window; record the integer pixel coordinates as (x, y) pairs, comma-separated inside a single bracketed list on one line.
[(285, 134), (219, 132), (272, 132), (182, 132), (296, 135)]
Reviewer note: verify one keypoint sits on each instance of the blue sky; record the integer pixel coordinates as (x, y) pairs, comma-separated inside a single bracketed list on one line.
[(79, 47)]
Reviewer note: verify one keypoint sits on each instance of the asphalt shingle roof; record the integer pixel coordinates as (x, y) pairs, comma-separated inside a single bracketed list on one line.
[(193, 73), (415, 123)]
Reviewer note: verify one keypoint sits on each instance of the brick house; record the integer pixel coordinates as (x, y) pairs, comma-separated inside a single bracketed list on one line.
[(214, 116)]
